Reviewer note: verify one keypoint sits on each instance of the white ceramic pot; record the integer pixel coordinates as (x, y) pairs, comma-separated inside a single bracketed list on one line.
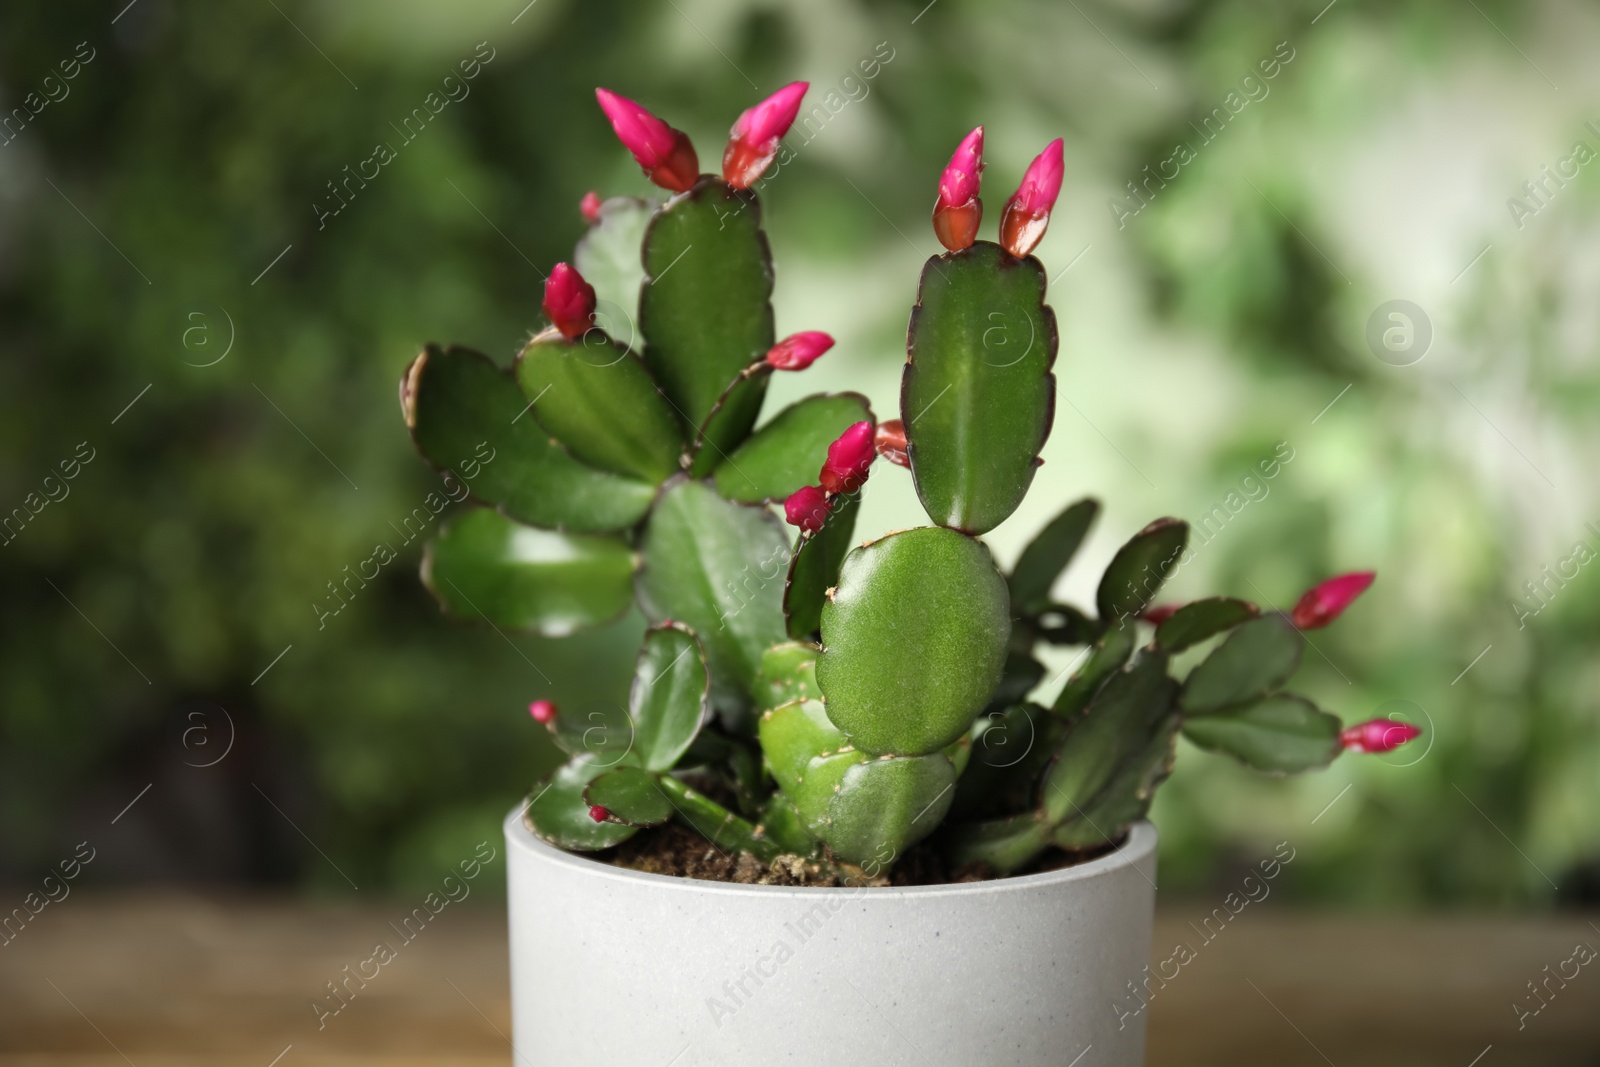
[(614, 968)]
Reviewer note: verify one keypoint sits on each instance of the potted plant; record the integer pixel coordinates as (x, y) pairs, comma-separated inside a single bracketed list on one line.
[(865, 828)]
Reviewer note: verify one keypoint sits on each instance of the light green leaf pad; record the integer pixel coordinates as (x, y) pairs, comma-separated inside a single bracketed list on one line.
[(883, 805), (1005, 844), (560, 815), (788, 672), (468, 416), (815, 566), (913, 640), (788, 452), (630, 796), (1282, 734), (794, 734), (670, 696), (1047, 555), (608, 256), (719, 567), (1138, 570), (977, 395), (705, 308), (1253, 661), (483, 565), (597, 398), (1201, 620)]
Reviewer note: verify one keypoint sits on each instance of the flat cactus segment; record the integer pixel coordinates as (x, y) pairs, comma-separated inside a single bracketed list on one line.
[(1005, 844), (602, 734), (670, 698), (782, 823), (705, 308), (1048, 554), (795, 734), (466, 415), (815, 567), (717, 824), (630, 796), (718, 567), (483, 565), (914, 640), (886, 804), (788, 672), (1138, 570), (1200, 620), (596, 397), (1125, 798), (787, 452), (1282, 734), (608, 257), (1254, 660), (977, 395), (1103, 660), (560, 815), (1009, 751)]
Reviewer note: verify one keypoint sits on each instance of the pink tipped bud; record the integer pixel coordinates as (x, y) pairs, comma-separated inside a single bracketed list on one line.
[(569, 301), (753, 142), (665, 154), (807, 508), (599, 814), (543, 712), (1378, 735), (958, 211), (590, 206), (890, 442), (1157, 614), (1325, 602), (1027, 213), (799, 350), (849, 457)]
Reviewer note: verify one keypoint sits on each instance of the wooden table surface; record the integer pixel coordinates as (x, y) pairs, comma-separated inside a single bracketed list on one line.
[(169, 980)]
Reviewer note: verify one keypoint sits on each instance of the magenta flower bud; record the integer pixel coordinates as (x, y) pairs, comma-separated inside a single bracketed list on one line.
[(753, 141), (599, 814), (569, 301), (1325, 602), (590, 206), (807, 508), (543, 712), (1378, 735), (958, 211), (799, 350), (849, 457), (1027, 213), (1156, 614), (890, 442), (665, 154)]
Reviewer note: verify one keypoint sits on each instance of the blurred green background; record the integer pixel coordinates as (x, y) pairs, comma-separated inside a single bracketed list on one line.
[(160, 244)]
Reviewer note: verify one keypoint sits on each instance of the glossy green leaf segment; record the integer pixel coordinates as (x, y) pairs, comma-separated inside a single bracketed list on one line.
[(1282, 734), (883, 805), (788, 672), (815, 567), (913, 640), (1253, 661), (1004, 844), (483, 565), (705, 308), (788, 451), (560, 814), (629, 795), (1201, 620), (670, 696), (1101, 662), (717, 566), (608, 258), (465, 414), (977, 395), (1048, 554), (794, 734), (598, 400), (717, 824), (1138, 570)]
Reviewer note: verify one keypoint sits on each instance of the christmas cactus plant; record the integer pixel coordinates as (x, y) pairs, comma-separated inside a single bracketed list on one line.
[(797, 694)]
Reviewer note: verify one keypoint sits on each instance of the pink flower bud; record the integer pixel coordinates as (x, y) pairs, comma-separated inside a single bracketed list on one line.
[(1027, 213), (890, 442), (1325, 602), (569, 301), (1378, 735), (799, 350), (807, 508), (958, 211), (665, 154), (1156, 614), (753, 142), (599, 814), (543, 712), (849, 457), (590, 206)]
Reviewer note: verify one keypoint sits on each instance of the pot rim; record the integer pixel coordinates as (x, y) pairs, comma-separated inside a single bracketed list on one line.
[(1140, 845)]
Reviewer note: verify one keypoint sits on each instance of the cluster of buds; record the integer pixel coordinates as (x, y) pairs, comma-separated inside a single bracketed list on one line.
[(849, 459), (958, 211)]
